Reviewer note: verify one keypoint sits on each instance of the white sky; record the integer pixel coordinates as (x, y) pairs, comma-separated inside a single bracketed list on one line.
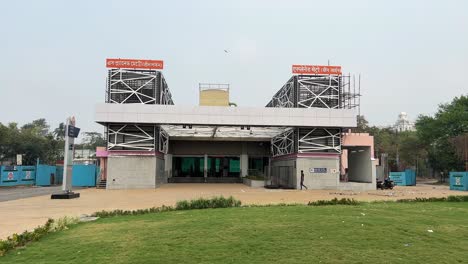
[(412, 55)]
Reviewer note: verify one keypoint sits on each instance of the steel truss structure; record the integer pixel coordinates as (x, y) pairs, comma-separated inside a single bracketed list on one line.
[(137, 86), (131, 137), (309, 140), (283, 143), (285, 97), (300, 91), (308, 91), (322, 91), (163, 145), (319, 140)]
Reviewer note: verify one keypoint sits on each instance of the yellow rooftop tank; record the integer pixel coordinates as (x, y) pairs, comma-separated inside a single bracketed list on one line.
[(214, 94)]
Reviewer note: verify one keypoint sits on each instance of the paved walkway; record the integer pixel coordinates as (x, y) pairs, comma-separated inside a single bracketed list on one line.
[(19, 192), (21, 214)]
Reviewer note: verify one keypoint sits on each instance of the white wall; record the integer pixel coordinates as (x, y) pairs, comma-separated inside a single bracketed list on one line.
[(316, 181), (221, 115), (131, 172)]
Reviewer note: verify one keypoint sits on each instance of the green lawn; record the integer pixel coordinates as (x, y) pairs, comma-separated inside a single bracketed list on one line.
[(369, 233)]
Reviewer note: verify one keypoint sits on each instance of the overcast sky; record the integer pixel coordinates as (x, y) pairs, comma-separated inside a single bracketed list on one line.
[(412, 55)]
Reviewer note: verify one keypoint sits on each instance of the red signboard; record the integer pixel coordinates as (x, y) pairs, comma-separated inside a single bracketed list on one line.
[(135, 64), (316, 69)]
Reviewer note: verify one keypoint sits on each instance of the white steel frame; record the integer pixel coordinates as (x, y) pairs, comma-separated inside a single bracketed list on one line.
[(116, 78), (140, 141), (313, 92), (310, 143), (165, 96), (163, 145), (285, 96), (283, 143)]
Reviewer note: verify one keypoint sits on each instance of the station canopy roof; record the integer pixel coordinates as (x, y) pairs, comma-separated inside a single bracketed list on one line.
[(225, 133)]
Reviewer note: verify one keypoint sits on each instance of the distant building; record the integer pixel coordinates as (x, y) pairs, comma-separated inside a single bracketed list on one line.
[(403, 123), (214, 94)]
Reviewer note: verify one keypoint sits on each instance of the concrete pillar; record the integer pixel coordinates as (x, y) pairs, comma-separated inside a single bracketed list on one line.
[(244, 163), (205, 166), (168, 165)]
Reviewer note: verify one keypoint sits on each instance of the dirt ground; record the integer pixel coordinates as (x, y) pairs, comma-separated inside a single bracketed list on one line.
[(25, 214)]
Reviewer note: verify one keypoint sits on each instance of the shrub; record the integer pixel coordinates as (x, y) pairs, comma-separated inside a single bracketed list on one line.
[(417, 199), (202, 203), (63, 223), (457, 198), (104, 214), (334, 201), (451, 198), (19, 240)]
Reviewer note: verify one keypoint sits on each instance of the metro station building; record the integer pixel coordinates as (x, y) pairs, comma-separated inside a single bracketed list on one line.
[(303, 128)]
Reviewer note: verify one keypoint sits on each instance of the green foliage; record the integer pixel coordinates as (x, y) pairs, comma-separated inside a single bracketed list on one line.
[(431, 143), (362, 125), (202, 203), (457, 198), (436, 133), (34, 140), (106, 214), (450, 198), (334, 201), (63, 223), (92, 140), (275, 234), (59, 132), (20, 240)]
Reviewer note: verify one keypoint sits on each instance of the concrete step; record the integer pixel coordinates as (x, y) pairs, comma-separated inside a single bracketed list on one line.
[(102, 184)]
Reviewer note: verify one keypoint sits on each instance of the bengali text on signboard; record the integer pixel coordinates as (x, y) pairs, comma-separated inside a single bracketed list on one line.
[(135, 64), (316, 69)]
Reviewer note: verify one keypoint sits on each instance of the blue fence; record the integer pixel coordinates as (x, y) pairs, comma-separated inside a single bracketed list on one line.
[(84, 175), (45, 175), (17, 175), (459, 181), (403, 178)]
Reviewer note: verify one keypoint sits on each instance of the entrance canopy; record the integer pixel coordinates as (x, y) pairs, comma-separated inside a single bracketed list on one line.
[(225, 133)]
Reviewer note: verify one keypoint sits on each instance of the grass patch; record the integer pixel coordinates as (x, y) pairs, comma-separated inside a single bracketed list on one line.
[(20, 240), (275, 234)]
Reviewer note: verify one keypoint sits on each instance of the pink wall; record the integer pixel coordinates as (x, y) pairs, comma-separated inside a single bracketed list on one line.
[(358, 139), (355, 140)]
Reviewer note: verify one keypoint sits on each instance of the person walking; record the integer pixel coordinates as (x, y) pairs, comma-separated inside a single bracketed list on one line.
[(302, 180)]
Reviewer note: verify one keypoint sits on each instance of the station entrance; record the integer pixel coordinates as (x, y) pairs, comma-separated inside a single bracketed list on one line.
[(218, 169)]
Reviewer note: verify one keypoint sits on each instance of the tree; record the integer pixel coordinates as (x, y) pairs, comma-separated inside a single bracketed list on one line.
[(59, 132), (362, 125), (92, 140), (33, 141), (38, 126), (436, 133)]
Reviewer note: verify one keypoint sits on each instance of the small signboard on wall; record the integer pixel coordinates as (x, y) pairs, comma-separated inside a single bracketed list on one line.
[(318, 170), (19, 159)]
